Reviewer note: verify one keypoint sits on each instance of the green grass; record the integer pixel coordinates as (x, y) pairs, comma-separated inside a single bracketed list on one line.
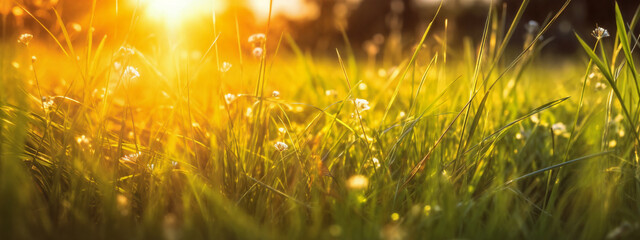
[(468, 140)]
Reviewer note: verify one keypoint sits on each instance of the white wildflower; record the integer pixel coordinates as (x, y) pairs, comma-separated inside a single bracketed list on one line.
[(25, 38), (226, 66), (257, 52), (361, 105), (600, 33), (531, 27), (229, 98), (275, 94), (373, 163), (281, 146), (130, 73), (131, 158), (601, 86), (257, 39), (47, 103), (127, 51), (559, 128), (534, 118)]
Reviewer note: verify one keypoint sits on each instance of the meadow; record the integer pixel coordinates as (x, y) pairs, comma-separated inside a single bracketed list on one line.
[(113, 139)]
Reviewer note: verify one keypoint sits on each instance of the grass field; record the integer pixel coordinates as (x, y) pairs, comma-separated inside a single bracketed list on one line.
[(486, 140)]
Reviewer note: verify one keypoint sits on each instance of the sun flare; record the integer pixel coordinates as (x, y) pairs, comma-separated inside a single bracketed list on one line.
[(174, 11)]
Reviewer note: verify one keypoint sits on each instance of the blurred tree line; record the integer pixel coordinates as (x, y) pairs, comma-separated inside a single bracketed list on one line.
[(396, 24), (405, 20)]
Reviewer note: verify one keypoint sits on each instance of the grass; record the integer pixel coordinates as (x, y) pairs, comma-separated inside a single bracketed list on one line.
[(477, 141)]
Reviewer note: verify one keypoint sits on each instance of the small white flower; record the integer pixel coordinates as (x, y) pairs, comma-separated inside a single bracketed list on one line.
[(600, 33), (559, 128), (229, 98), (249, 112), (282, 131), (601, 86), (534, 118), (47, 103), (531, 27), (257, 52), (373, 163), (361, 105), (117, 66), (257, 39), (281, 146), (131, 158), (25, 38), (275, 94), (226, 66), (130, 73), (127, 51)]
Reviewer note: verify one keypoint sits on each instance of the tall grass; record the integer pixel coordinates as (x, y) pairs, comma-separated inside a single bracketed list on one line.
[(459, 142)]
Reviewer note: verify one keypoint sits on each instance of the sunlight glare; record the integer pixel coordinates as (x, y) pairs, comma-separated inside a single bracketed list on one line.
[(175, 11), (293, 9)]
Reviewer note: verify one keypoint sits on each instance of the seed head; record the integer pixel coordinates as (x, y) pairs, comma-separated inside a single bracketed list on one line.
[(559, 128), (532, 27), (600, 33), (281, 146), (229, 98), (225, 67), (25, 38), (131, 73), (47, 103), (361, 104), (257, 52), (373, 163), (131, 158), (127, 51), (257, 39)]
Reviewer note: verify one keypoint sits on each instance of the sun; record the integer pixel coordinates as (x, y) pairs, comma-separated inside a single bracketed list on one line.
[(176, 11)]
